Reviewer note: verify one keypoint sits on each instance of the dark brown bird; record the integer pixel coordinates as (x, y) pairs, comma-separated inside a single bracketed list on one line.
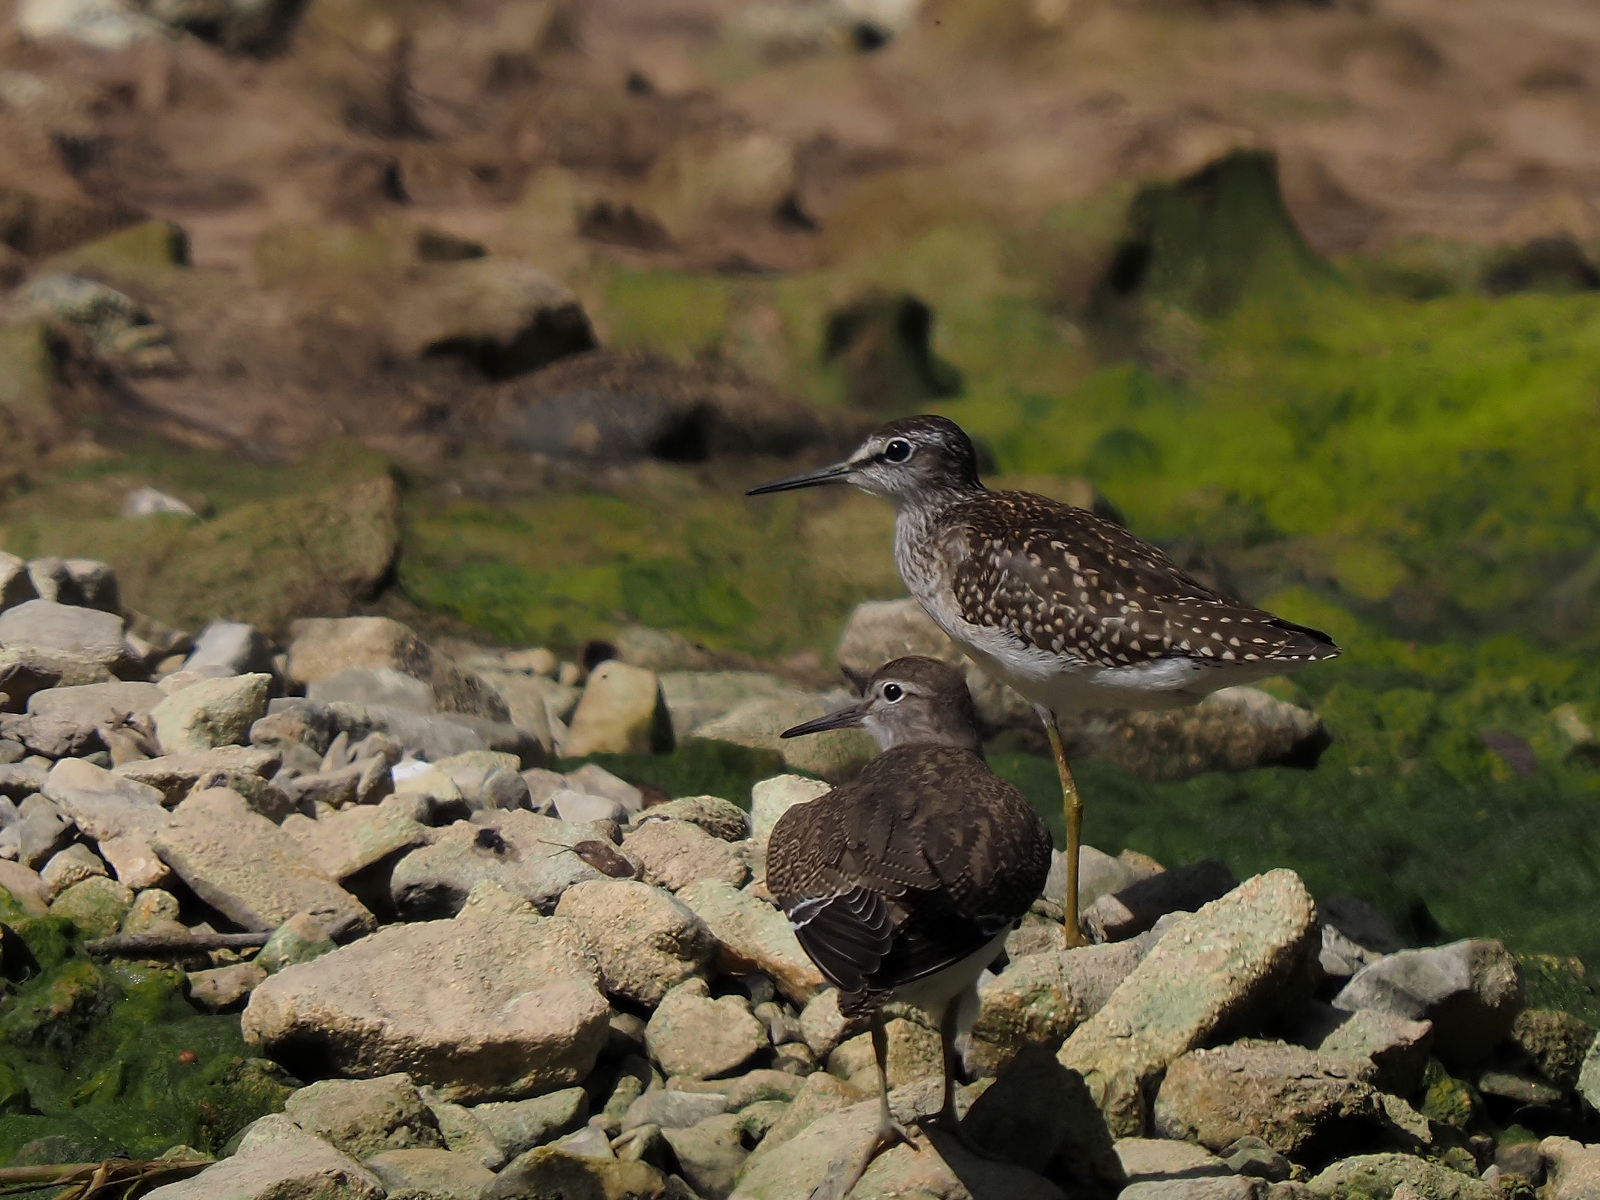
[(1068, 608), (903, 884)]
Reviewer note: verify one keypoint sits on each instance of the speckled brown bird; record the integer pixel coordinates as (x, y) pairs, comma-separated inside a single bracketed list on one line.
[(903, 884), (1065, 606)]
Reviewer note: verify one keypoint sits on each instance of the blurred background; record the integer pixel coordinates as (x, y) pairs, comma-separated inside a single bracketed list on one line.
[(481, 314)]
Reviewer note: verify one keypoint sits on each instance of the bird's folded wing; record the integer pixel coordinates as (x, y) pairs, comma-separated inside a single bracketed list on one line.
[(847, 933)]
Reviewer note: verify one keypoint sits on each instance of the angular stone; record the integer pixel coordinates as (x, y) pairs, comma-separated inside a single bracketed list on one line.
[(42, 829), (103, 804), (645, 940), (771, 798), (720, 818), (1396, 1047), (1289, 1097), (20, 780), (1253, 1157), (675, 854), (96, 705), (301, 938), (80, 582), (323, 647), (67, 867), (1359, 921), (1099, 874), (345, 843), (526, 699), (551, 1171), (822, 1025), (835, 755), (224, 989), (692, 1034), (694, 698), (364, 1117), (620, 713), (1038, 1000), (211, 713), (579, 807), (710, 1154), (670, 1109), (1383, 1176), (16, 586), (527, 854), (1589, 1075), (914, 1053), (486, 1006), (819, 1095), (1572, 1170), (1470, 990), (25, 887), (517, 1126), (230, 647), (1149, 1159), (595, 780), (1237, 959), (1121, 915), (434, 1174), (248, 869), (1232, 1187), (52, 626), (753, 936), (175, 775), (277, 1160), (26, 671)]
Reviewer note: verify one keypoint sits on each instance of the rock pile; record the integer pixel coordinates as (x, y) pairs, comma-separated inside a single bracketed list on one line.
[(502, 981)]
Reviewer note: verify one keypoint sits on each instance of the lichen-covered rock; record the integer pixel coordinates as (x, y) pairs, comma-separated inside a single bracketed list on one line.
[(1383, 1176), (1572, 1170), (364, 1117), (771, 798), (753, 936), (1289, 1097), (95, 905), (720, 818), (835, 755), (320, 648), (347, 842), (1238, 958), (645, 940), (1148, 1159), (490, 1005), (517, 1126), (710, 1153), (692, 1034), (675, 854), (914, 1053), (1396, 1047), (552, 1171), (211, 713), (1556, 1042), (1470, 990), (432, 1173)]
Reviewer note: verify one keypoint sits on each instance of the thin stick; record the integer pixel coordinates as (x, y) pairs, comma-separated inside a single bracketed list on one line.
[(162, 945), (93, 1177)]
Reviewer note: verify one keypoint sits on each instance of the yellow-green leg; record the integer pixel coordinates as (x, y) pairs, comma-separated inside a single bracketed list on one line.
[(1072, 808)]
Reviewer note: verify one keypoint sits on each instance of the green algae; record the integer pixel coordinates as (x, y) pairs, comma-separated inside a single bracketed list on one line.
[(110, 1058)]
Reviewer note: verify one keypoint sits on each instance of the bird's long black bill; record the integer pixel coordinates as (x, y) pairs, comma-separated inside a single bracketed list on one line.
[(845, 718), (834, 474)]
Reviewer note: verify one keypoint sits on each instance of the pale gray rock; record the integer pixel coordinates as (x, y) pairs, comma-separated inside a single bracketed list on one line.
[(595, 780), (25, 887), (175, 775), (823, 1026), (430, 1174), (525, 853), (720, 818), (323, 647), (1099, 874), (1383, 1176), (67, 867), (20, 780), (580, 807), (1253, 1157), (25, 671), (672, 1109), (80, 582), (211, 713), (301, 938), (277, 1160), (95, 705), (1232, 1187), (44, 623), (224, 989), (374, 687), (1238, 959), (556, 1171), (692, 1034), (16, 585), (42, 829), (753, 936), (248, 869), (1360, 922), (490, 1005), (153, 502), (675, 854), (102, 803), (1150, 1159), (1470, 990), (364, 1117), (771, 798), (620, 713), (1589, 1075), (231, 647), (343, 844), (645, 940), (758, 723)]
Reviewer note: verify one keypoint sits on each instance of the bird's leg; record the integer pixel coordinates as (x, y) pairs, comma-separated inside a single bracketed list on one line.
[(946, 1119), (1072, 808), (889, 1132)]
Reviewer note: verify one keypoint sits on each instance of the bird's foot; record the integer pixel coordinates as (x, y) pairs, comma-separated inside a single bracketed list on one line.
[(843, 1176)]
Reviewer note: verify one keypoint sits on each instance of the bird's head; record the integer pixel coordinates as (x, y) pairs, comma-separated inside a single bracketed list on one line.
[(911, 457), (910, 701)]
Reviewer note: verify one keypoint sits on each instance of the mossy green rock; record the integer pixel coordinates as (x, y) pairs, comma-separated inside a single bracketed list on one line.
[(1377, 1176), (96, 906), (1447, 1099)]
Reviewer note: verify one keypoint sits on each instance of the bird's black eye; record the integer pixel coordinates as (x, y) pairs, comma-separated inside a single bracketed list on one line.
[(897, 451), (892, 692)]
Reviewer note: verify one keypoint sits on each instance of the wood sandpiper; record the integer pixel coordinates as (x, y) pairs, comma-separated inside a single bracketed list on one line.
[(903, 884), (1067, 607)]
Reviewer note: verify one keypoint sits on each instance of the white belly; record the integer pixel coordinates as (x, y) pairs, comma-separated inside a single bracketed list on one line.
[(934, 992)]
